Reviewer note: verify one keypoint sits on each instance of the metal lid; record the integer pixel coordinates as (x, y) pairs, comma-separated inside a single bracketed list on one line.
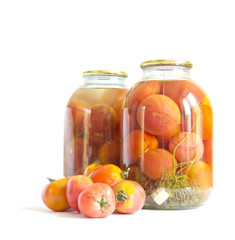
[(166, 62), (104, 72)]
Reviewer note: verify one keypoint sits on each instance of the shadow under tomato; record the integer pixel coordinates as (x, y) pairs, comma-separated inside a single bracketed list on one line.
[(66, 214)]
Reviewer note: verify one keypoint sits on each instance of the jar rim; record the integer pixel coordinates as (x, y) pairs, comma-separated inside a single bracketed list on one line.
[(104, 73), (166, 62)]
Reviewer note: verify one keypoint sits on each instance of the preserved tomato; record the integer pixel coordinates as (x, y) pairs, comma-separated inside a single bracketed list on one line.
[(92, 121), (167, 136)]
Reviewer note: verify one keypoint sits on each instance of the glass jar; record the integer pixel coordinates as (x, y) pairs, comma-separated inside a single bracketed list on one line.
[(166, 133), (92, 117)]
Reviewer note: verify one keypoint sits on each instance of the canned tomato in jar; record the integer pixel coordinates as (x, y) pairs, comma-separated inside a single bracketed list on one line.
[(167, 136), (92, 117)]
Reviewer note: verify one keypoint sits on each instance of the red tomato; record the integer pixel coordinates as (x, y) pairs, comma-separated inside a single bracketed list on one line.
[(109, 174), (130, 196), (74, 187), (97, 201), (54, 195), (103, 120), (186, 146)]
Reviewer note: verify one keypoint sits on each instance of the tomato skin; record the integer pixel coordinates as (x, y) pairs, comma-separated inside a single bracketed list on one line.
[(158, 115), (135, 196), (156, 162), (202, 174), (74, 187), (54, 195), (109, 174), (103, 123), (110, 152), (90, 168), (136, 143), (88, 201), (140, 91)]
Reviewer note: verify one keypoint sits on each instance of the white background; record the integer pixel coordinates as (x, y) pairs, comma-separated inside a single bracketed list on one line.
[(44, 48)]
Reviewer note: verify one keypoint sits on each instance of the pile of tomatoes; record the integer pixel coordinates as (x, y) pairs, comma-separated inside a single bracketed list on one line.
[(102, 190)]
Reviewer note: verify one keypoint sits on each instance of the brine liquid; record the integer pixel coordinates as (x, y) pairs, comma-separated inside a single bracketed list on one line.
[(92, 128), (167, 138)]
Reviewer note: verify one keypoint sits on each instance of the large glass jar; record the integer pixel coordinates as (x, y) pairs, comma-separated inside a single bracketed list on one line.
[(92, 117), (166, 134)]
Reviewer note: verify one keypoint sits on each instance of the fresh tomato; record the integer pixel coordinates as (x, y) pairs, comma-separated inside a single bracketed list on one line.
[(54, 195), (130, 196), (109, 174), (97, 201), (90, 168), (74, 187)]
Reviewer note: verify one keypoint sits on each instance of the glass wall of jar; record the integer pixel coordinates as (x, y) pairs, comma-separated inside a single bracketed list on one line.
[(92, 130), (167, 136)]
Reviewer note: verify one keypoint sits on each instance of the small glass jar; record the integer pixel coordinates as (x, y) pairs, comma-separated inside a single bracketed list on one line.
[(167, 136), (92, 117)]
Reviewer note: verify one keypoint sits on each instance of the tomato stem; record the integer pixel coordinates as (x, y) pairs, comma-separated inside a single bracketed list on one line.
[(102, 203), (51, 180), (125, 173), (121, 196)]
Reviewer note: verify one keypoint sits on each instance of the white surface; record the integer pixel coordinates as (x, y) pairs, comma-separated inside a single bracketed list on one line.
[(44, 48)]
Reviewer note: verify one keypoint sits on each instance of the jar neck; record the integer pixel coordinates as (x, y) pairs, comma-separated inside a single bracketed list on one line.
[(166, 73), (104, 81)]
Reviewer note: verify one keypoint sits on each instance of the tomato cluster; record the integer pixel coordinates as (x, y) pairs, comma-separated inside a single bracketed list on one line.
[(92, 128), (97, 195), (166, 125)]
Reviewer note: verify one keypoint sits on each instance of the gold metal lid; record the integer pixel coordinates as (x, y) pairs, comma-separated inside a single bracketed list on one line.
[(104, 72), (166, 62)]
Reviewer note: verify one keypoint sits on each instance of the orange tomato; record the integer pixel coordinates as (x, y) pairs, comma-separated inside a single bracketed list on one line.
[(130, 196), (158, 115), (207, 116), (178, 91), (90, 168), (110, 153), (114, 98), (208, 151), (54, 195), (109, 174), (140, 91), (156, 162), (201, 174), (136, 144)]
